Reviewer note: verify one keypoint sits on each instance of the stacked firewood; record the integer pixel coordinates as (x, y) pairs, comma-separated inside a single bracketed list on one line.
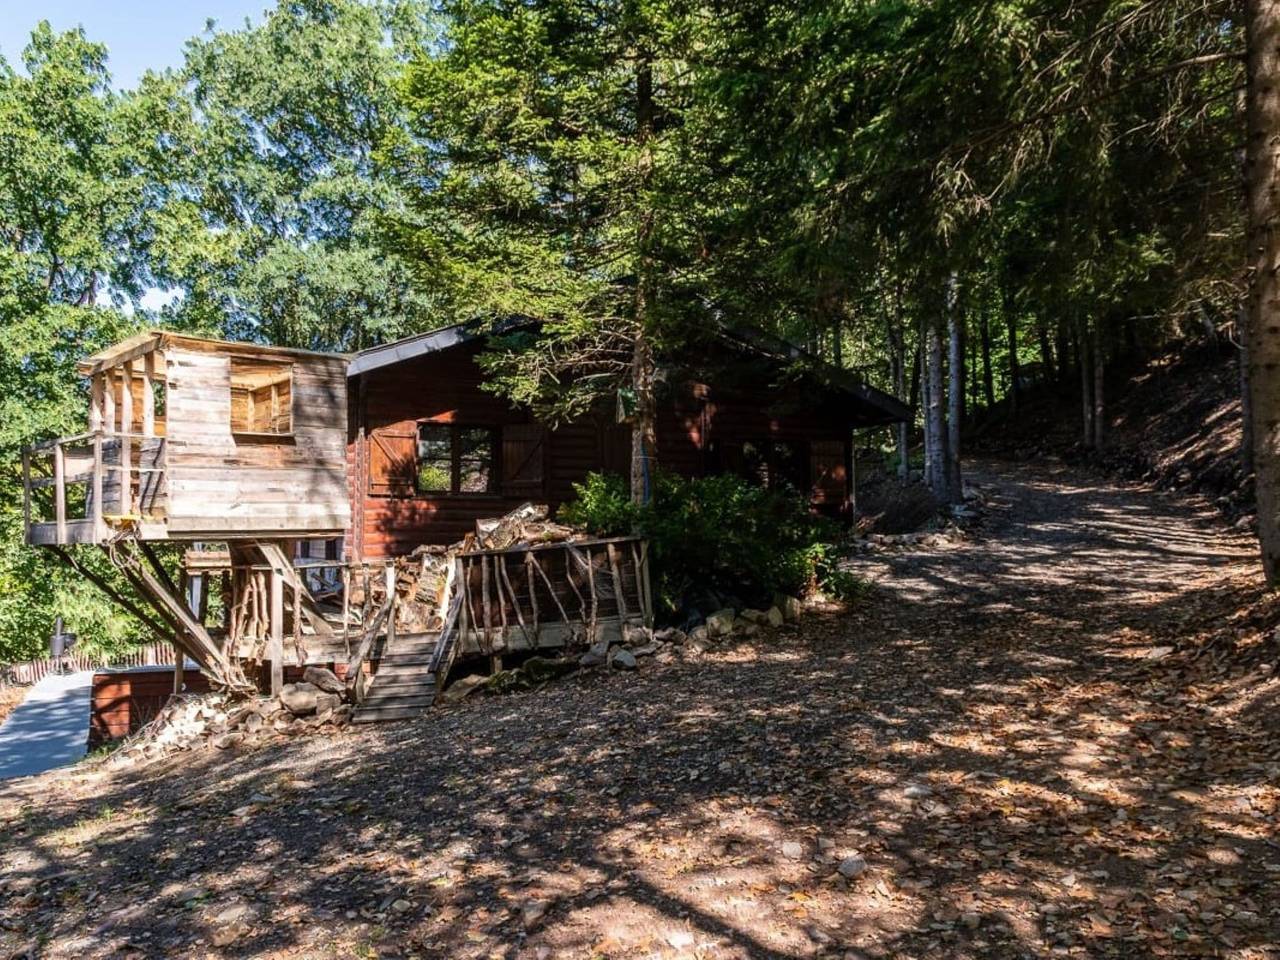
[(422, 578)]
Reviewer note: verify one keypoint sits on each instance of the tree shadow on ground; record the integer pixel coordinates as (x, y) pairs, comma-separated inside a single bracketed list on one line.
[(1014, 788)]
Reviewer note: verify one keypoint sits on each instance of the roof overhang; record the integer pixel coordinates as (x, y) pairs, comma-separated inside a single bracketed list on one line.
[(433, 341), (874, 407), (141, 344)]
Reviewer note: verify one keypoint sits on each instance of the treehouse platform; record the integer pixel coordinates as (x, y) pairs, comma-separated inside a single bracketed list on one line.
[(194, 439)]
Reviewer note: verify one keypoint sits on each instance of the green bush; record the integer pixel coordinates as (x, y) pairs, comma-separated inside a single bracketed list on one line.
[(720, 535)]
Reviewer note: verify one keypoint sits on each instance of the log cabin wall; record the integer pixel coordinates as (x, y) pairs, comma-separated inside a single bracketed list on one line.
[(697, 431), (232, 474)]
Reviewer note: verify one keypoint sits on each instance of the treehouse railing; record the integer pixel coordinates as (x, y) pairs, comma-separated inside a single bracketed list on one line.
[(78, 489), (578, 584)]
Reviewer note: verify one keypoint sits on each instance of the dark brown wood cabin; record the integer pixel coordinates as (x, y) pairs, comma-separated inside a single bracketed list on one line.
[(430, 451)]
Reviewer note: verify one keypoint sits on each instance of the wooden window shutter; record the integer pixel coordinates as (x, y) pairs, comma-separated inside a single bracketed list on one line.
[(524, 455), (830, 475), (392, 462)]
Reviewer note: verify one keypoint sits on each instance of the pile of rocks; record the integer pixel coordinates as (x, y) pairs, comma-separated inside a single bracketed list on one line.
[(223, 721), (625, 654)]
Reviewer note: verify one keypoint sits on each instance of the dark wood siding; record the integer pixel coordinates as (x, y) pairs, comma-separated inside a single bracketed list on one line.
[(446, 387)]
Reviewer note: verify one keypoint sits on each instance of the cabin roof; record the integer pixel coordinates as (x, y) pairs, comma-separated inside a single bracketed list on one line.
[(878, 407), (422, 344), (143, 343)]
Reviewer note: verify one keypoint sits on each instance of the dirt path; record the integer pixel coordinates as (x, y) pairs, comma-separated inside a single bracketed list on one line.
[(997, 748)]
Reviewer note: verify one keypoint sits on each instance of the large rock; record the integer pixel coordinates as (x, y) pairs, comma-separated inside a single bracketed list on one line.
[(299, 698), (622, 659), (852, 866), (670, 635), (638, 635), (790, 606), (326, 703), (753, 616), (720, 623), (773, 617), (462, 688), (597, 655), (324, 679)]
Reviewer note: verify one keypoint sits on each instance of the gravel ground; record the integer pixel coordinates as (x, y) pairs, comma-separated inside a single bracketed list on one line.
[(1009, 750)]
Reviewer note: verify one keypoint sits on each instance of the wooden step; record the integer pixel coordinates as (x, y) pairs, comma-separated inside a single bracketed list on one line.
[(393, 707), (398, 659), (417, 680), (408, 698), (414, 645), (381, 714)]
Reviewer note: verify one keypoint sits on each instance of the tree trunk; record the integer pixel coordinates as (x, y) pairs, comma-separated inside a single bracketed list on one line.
[(1011, 320), (902, 428), (926, 424), (1246, 412), (898, 363), (988, 382), (1099, 408), (936, 413), (1046, 348), (1086, 388), (1262, 195), (955, 394), (643, 428), (1062, 349)]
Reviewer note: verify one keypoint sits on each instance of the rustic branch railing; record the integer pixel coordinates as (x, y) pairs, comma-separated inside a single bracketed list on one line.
[(92, 478), (526, 588), (357, 679)]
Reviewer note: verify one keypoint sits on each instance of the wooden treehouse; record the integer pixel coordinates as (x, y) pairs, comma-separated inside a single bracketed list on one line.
[(230, 451), (214, 477), (274, 508)]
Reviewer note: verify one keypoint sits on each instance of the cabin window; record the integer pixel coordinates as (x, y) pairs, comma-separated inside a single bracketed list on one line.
[(261, 397), (455, 459)]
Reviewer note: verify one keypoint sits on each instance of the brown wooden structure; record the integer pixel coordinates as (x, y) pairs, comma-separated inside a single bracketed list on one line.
[(246, 456), (192, 440), (430, 451)]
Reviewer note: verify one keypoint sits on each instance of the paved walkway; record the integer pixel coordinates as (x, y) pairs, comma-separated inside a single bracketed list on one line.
[(48, 729)]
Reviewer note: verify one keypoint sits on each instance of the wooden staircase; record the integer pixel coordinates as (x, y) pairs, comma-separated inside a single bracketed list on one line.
[(404, 685)]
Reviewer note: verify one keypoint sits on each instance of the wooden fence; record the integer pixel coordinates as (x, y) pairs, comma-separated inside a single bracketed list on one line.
[(33, 671)]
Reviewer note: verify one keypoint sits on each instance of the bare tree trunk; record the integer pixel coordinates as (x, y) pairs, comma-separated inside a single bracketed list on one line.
[(988, 382), (1246, 410), (936, 412), (1086, 388), (926, 424), (898, 362), (1011, 320), (902, 428), (955, 394), (1262, 177), (1046, 347), (644, 437), (1099, 408), (1062, 349)]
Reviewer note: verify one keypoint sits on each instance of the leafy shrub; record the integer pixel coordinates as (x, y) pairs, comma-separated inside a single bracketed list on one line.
[(712, 535)]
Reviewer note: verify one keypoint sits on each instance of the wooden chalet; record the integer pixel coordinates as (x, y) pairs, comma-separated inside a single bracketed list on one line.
[(292, 481), (430, 451)]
